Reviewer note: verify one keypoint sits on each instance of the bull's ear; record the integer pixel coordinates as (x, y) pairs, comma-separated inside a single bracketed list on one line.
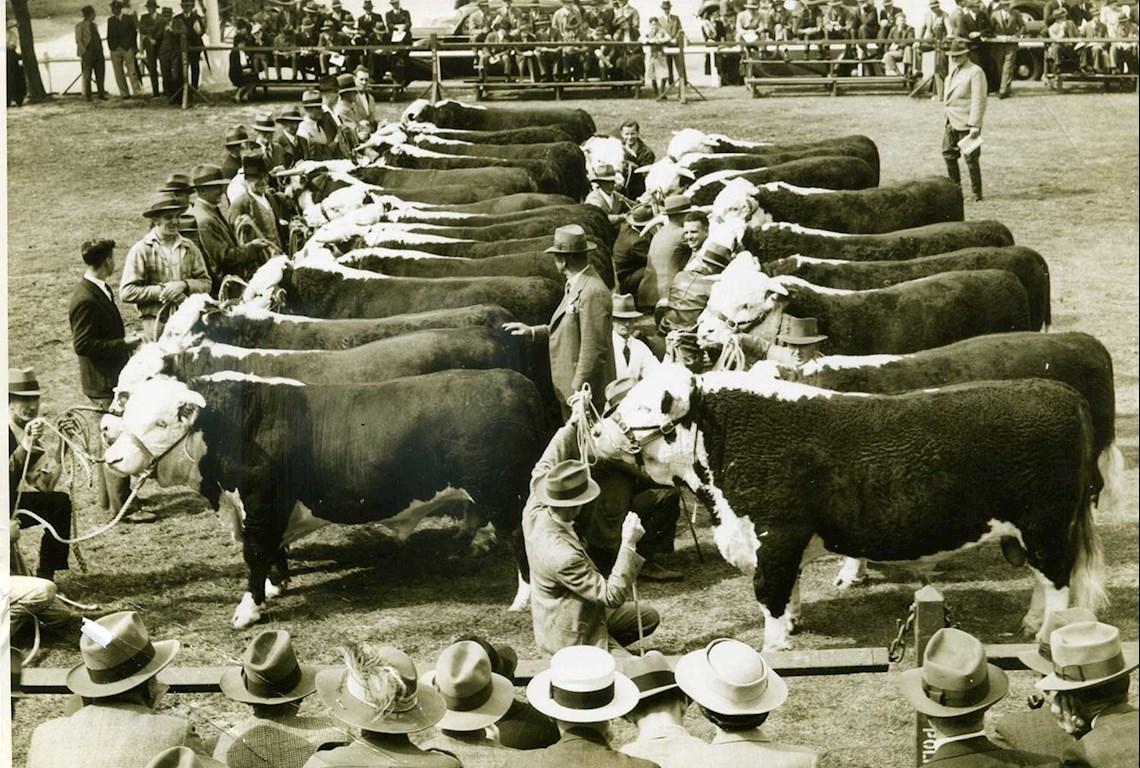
[(695, 397), (190, 405)]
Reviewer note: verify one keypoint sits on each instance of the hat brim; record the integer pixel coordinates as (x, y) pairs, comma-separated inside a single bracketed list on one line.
[(290, 119), (910, 684), (265, 128), (692, 674), (1036, 662), (491, 711), (212, 183), (628, 314), (590, 246), (800, 340), (234, 688), (1051, 682), (151, 213), (958, 53), (79, 678), (427, 712), (626, 697), (538, 488), (26, 393), (603, 178)]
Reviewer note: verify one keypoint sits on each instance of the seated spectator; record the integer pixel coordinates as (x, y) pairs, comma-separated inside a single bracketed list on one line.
[(736, 690), (378, 692), (285, 43), (898, 58), (274, 684), (241, 71), (1090, 680), (1093, 56), (327, 41), (954, 687), (502, 54), (528, 54), (604, 195), (656, 66), (659, 715), (1123, 57), (572, 57), (183, 757), (633, 358), (548, 56), (119, 725), (1062, 56), (582, 691)]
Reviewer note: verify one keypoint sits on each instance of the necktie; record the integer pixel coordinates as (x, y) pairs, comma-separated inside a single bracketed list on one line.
[(625, 351)]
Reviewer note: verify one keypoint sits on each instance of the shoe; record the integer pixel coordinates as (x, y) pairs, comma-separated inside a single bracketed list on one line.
[(652, 571), (977, 198), (103, 97), (142, 516)]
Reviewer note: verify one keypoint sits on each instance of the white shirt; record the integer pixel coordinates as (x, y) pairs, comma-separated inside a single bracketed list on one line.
[(102, 285), (641, 359), (961, 737)]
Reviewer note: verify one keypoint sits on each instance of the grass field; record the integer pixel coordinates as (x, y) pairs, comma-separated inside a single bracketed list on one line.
[(1061, 172)]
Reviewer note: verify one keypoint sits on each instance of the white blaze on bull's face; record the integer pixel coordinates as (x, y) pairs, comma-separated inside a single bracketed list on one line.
[(664, 178), (265, 281), (736, 200), (145, 363), (183, 327), (688, 141), (742, 295), (160, 412)]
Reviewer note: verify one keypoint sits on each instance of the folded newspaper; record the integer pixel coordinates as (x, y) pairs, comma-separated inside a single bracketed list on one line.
[(970, 144)]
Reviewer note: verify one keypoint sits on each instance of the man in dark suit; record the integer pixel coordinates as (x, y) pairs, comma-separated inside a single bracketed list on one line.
[(581, 330), (102, 346), (220, 248)]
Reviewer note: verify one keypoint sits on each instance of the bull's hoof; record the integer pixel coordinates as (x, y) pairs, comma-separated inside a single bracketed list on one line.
[(275, 590), (247, 612), (851, 574)]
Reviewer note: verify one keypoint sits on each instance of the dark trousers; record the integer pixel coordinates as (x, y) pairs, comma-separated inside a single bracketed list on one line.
[(152, 67), (92, 68), (171, 75), (659, 510), (951, 153), (55, 508), (621, 622), (195, 70)]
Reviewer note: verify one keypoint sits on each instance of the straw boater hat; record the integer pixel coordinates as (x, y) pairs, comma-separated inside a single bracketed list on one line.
[(802, 330), (163, 202), (22, 383), (571, 239), (118, 655), (269, 672), (625, 307), (475, 696), (604, 172), (616, 391), (955, 678), (567, 484), (236, 136), (1041, 660), (675, 205), (730, 678), (176, 182), (349, 699), (346, 84), (1086, 654), (651, 674), (182, 757), (208, 175), (582, 685)]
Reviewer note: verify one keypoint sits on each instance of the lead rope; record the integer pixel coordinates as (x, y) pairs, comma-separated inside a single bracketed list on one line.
[(583, 411), (731, 356)]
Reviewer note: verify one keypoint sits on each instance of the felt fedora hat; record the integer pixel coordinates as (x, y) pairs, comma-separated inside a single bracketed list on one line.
[(716, 255), (208, 175), (625, 306), (264, 123), (640, 215), (346, 83), (22, 382), (176, 182), (236, 136), (1086, 654), (675, 205), (955, 678), (182, 757), (269, 672), (1041, 660), (254, 164), (616, 391), (958, 47), (802, 330), (347, 698), (504, 659), (604, 172), (118, 655), (474, 695), (290, 115), (311, 98), (651, 674), (582, 685), (567, 484), (730, 678), (163, 202), (571, 239), (151, 4)]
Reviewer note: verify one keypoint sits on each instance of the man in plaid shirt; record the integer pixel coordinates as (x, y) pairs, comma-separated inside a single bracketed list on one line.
[(162, 268)]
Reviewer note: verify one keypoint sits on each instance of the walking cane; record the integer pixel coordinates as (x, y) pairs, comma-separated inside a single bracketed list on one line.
[(640, 630)]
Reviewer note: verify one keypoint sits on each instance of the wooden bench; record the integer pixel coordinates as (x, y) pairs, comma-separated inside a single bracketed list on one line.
[(484, 88), (831, 83), (1127, 82)]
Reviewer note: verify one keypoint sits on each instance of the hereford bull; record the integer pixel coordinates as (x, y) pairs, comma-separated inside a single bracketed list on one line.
[(789, 470), (431, 135), (779, 239), (1024, 263), (416, 264), (349, 453), (861, 147), (749, 307), (823, 172), (577, 123), (503, 180), (357, 195), (560, 170)]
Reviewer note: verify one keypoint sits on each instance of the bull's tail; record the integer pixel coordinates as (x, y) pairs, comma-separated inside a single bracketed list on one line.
[(1086, 580), (1110, 464)]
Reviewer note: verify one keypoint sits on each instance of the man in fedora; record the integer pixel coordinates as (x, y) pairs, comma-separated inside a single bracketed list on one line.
[(123, 43), (580, 330), (378, 692), (220, 247), (188, 25), (316, 143), (286, 148), (237, 139), (736, 690), (1090, 679), (162, 268), (954, 687), (348, 110), (631, 248), (118, 726), (632, 357), (797, 343), (964, 106), (150, 33), (582, 691), (252, 201), (933, 31), (660, 714), (667, 253), (264, 130), (178, 186), (604, 195), (477, 699), (1036, 729), (273, 683)]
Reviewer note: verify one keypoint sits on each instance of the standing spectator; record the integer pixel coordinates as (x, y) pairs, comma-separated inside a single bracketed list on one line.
[(150, 35), (89, 49), (667, 254), (399, 23), (162, 268), (170, 53), (659, 715), (237, 138), (102, 346), (1007, 22), (970, 22), (17, 85), (348, 110), (179, 187), (220, 248), (189, 27), (251, 205), (316, 143), (286, 149), (933, 31), (637, 154), (656, 67), (964, 106), (671, 24), (626, 22), (119, 726), (122, 41), (329, 121)]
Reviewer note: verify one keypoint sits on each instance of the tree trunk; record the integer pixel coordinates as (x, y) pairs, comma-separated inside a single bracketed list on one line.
[(28, 51)]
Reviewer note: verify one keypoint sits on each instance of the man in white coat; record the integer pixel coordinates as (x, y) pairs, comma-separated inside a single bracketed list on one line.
[(964, 103)]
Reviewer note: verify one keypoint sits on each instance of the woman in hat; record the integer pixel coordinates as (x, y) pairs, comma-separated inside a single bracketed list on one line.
[(377, 691), (964, 106)]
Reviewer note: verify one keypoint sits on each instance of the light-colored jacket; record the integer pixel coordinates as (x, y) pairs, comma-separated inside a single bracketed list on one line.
[(116, 735), (283, 742), (146, 269), (741, 748), (964, 96), (670, 747), (474, 750)]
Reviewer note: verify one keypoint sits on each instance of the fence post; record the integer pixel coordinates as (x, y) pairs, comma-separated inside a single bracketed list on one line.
[(929, 617), (436, 75), (682, 70), (184, 65)]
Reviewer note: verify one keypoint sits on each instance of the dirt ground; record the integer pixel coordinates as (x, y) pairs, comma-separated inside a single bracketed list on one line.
[(1061, 172)]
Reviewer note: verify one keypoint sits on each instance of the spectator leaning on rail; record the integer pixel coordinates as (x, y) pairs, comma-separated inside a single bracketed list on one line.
[(118, 726), (964, 106), (660, 715), (150, 33), (1007, 22), (89, 49), (954, 687), (1090, 679), (123, 42)]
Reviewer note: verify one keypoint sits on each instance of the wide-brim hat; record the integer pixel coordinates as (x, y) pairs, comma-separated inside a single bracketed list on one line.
[(640, 215), (265, 123), (675, 205), (955, 678), (1041, 660), (801, 331), (571, 239), (269, 672), (625, 307), (567, 484), (716, 255), (118, 655), (150, 4), (311, 98), (1087, 654), (474, 695), (163, 203), (730, 678), (346, 84), (254, 164), (651, 674), (183, 757), (604, 172), (958, 47), (236, 136), (422, 709), (582, 685), (22, 382), (208, 175), (290, 115), (177, 182)]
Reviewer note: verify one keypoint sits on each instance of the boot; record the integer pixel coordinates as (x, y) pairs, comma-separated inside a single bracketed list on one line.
[(975, 170), (952, 170)]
